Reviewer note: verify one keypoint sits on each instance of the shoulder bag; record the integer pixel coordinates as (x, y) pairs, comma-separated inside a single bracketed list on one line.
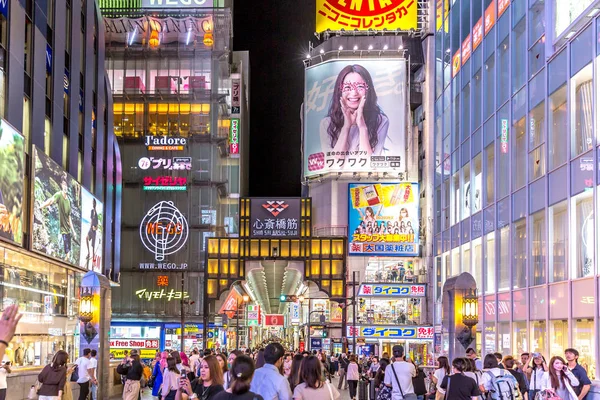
[(408, 396)]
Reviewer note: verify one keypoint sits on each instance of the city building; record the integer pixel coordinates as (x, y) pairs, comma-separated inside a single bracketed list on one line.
[(515, 188), (366, 178), (60, 185), (181, 119)]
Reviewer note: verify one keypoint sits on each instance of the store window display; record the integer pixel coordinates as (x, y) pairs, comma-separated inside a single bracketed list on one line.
[(405, 311), (391, 270)]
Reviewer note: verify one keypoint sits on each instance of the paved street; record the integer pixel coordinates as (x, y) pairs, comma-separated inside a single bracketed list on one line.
[(147, 393)]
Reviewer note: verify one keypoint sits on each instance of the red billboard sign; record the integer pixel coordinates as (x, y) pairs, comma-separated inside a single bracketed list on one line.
[(274, 319)]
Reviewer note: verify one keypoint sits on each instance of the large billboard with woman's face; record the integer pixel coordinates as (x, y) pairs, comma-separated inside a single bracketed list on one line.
[(12, 165), (355, 117), (383, 219)]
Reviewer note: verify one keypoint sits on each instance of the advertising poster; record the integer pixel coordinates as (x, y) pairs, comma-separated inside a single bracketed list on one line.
[(383, 219), (12, 165), (355, 117), (56, 211), (92, 218), (366, 15)]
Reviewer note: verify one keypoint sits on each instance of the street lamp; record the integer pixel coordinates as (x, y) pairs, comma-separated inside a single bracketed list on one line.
[(470, 316)]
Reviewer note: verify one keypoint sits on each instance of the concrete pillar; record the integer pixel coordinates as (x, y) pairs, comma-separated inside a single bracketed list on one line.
[(94, 325), (459, 337)]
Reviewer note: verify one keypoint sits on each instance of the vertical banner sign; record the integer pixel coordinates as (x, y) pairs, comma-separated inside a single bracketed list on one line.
[(235, 96), (12, 165), (477, 33), (234, 136), (504, 135), (489, 17), (466, 49)]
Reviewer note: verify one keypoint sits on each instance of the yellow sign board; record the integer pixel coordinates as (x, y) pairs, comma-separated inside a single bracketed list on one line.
[(144, 353), (366, 14)]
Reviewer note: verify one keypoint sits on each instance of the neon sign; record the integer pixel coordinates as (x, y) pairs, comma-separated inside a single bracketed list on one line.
[(504, 135), (175, 163), (399, 290), (164, 230), (165, 143), (234, 136), (165, 183), (162, 294), (413, 332)]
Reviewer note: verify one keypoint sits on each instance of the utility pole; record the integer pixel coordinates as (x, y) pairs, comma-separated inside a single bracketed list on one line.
[(182, 312), (354, 312)]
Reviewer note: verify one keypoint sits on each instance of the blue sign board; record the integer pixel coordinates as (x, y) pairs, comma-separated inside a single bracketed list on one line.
[(4, 8), (316, 343)]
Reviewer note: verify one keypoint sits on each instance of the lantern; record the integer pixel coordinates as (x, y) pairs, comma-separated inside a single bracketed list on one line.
[(86, 306), (154, 39), (208, 39), (470, 308)]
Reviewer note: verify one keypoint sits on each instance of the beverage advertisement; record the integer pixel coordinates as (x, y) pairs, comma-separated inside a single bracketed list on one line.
[(383, 219), (12, 165), (56, 211), (91, 232), (355, 117)]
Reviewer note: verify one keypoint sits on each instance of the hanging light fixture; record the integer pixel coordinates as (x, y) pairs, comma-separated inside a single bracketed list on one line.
[(86, 306), (209, 40), (154, 39)]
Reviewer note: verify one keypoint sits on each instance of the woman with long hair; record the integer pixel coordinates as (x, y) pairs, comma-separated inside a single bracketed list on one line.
[(222, 359), (294, 377), (170, 383), (439, 374), (242, 371), (472, 372), (560, 380), (536, 372), (354, 122), (227, 374), (324, 366), (53, 377), (157, 373), (133, 371), (352, 376), (313, 386), (208, 384)]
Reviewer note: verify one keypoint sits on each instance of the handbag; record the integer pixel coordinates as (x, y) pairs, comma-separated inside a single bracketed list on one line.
[(384, 393), (32, 393), (407, 396), (330, 391), (75, 374)]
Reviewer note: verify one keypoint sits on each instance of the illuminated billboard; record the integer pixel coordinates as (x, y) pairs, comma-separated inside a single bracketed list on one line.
[(383, 219), (12, 165), (56, 211), (92, 218), (366, 15), (355, 117)]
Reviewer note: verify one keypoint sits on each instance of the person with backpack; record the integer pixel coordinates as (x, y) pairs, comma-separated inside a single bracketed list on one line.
[(560, 380), (458, 386), (438, 376), (497, 383), (509, 363), (398, 376)]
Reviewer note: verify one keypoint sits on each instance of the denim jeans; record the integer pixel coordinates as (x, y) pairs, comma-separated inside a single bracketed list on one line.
[(94, 391)]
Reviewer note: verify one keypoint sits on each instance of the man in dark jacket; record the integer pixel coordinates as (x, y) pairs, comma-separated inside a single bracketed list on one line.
[(509, 363), (343, 369)]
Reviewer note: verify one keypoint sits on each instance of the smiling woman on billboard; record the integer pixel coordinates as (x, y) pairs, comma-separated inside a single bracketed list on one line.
[(355, 122)]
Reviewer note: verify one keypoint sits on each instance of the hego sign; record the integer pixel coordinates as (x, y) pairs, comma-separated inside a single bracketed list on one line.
[(134, 343)]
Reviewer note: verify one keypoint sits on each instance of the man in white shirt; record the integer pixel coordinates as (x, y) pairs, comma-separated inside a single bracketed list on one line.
[(398, 376), (84, 370), (267, 380), (93, 377), (194, 360)]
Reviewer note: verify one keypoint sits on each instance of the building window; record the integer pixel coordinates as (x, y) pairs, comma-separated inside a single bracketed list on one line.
[(538, 337), (559, 336), (490, 263), (488, 99), (566, 12), (519, 155), (26, 120), (558, 238), (476, 108), (520, 339), (519, 247), (582, 116), (477, 266), (537, 248), (585, 341), (557, 126), (519, 59), (537, 157), (489, 174), (582, 234), (504, 259)]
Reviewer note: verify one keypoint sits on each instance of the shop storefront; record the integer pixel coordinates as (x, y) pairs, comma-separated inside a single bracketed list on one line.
[(47, 295), (150, 337)]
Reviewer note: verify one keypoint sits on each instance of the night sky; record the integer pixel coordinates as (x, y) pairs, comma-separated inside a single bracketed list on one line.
[(276, 32)]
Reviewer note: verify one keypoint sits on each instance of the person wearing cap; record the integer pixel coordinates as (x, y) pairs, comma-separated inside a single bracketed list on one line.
[(133, 370), (268, 381), (398, 376)]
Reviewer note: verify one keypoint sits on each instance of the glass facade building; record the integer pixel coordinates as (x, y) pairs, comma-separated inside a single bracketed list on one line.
[(516, 146)]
